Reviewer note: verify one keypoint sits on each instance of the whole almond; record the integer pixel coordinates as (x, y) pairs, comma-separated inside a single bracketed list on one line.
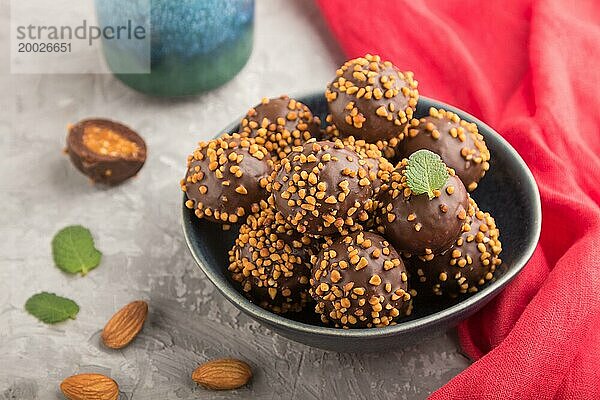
[(124, 326), (222, 374), (90, 387)]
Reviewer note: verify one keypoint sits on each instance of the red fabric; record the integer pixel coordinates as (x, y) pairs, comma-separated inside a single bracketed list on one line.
[(531, 69)]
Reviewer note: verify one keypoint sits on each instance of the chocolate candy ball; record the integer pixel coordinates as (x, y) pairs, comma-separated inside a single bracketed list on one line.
[(371, 99), (226, 178), (322, 188), (380, 169), (106, 151), (270, 260), (387, 147), (416, 224), (467, 265), (458, 142), (279, 124), (360, 281)]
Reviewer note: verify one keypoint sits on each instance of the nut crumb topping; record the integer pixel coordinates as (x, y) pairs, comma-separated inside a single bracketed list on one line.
[(371, 98), (457, 141), (227, 178), (359, 280), (270, 260), (469, 264), (322, 188), (279, 124)]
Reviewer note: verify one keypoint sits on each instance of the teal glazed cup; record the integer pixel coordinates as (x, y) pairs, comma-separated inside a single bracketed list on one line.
[(195, 45)]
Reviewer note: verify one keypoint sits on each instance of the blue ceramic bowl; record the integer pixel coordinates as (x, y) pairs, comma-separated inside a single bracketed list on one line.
[(508, 191)]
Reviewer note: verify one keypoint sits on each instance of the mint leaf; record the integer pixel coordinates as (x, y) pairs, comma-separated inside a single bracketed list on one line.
[(425, 173), (73, 250), (50, 308)]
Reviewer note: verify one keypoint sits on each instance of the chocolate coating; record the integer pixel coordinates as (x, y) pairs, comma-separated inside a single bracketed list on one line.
[(467, 265), (226, 178), (271, 261), (360, 281), (459, 144), (414, 223), (371, 99), (106, 151), (322, 188), (279, 124)]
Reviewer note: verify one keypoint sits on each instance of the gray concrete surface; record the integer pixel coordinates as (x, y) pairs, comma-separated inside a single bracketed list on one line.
[(137, 228)]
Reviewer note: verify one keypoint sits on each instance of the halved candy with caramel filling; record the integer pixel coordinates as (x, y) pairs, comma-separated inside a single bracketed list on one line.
[(106, 151)]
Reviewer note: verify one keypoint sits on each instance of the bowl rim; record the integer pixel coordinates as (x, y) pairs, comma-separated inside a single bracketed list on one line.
[(241, 302)]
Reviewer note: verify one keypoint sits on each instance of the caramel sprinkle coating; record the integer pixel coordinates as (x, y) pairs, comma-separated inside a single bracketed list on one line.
[(388, 147), (271, 261), (380, 169), (356, 289), (279, 124), (226, 178), (371, 99), (458, 142), (468, 265), (414, 223), (322, 188)]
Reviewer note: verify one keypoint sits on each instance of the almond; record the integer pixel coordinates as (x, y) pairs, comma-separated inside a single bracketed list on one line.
[(124, 326), (90, 387), (222, 374)]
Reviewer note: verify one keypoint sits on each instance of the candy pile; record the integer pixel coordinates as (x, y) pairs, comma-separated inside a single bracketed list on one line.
[(357, 218)]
